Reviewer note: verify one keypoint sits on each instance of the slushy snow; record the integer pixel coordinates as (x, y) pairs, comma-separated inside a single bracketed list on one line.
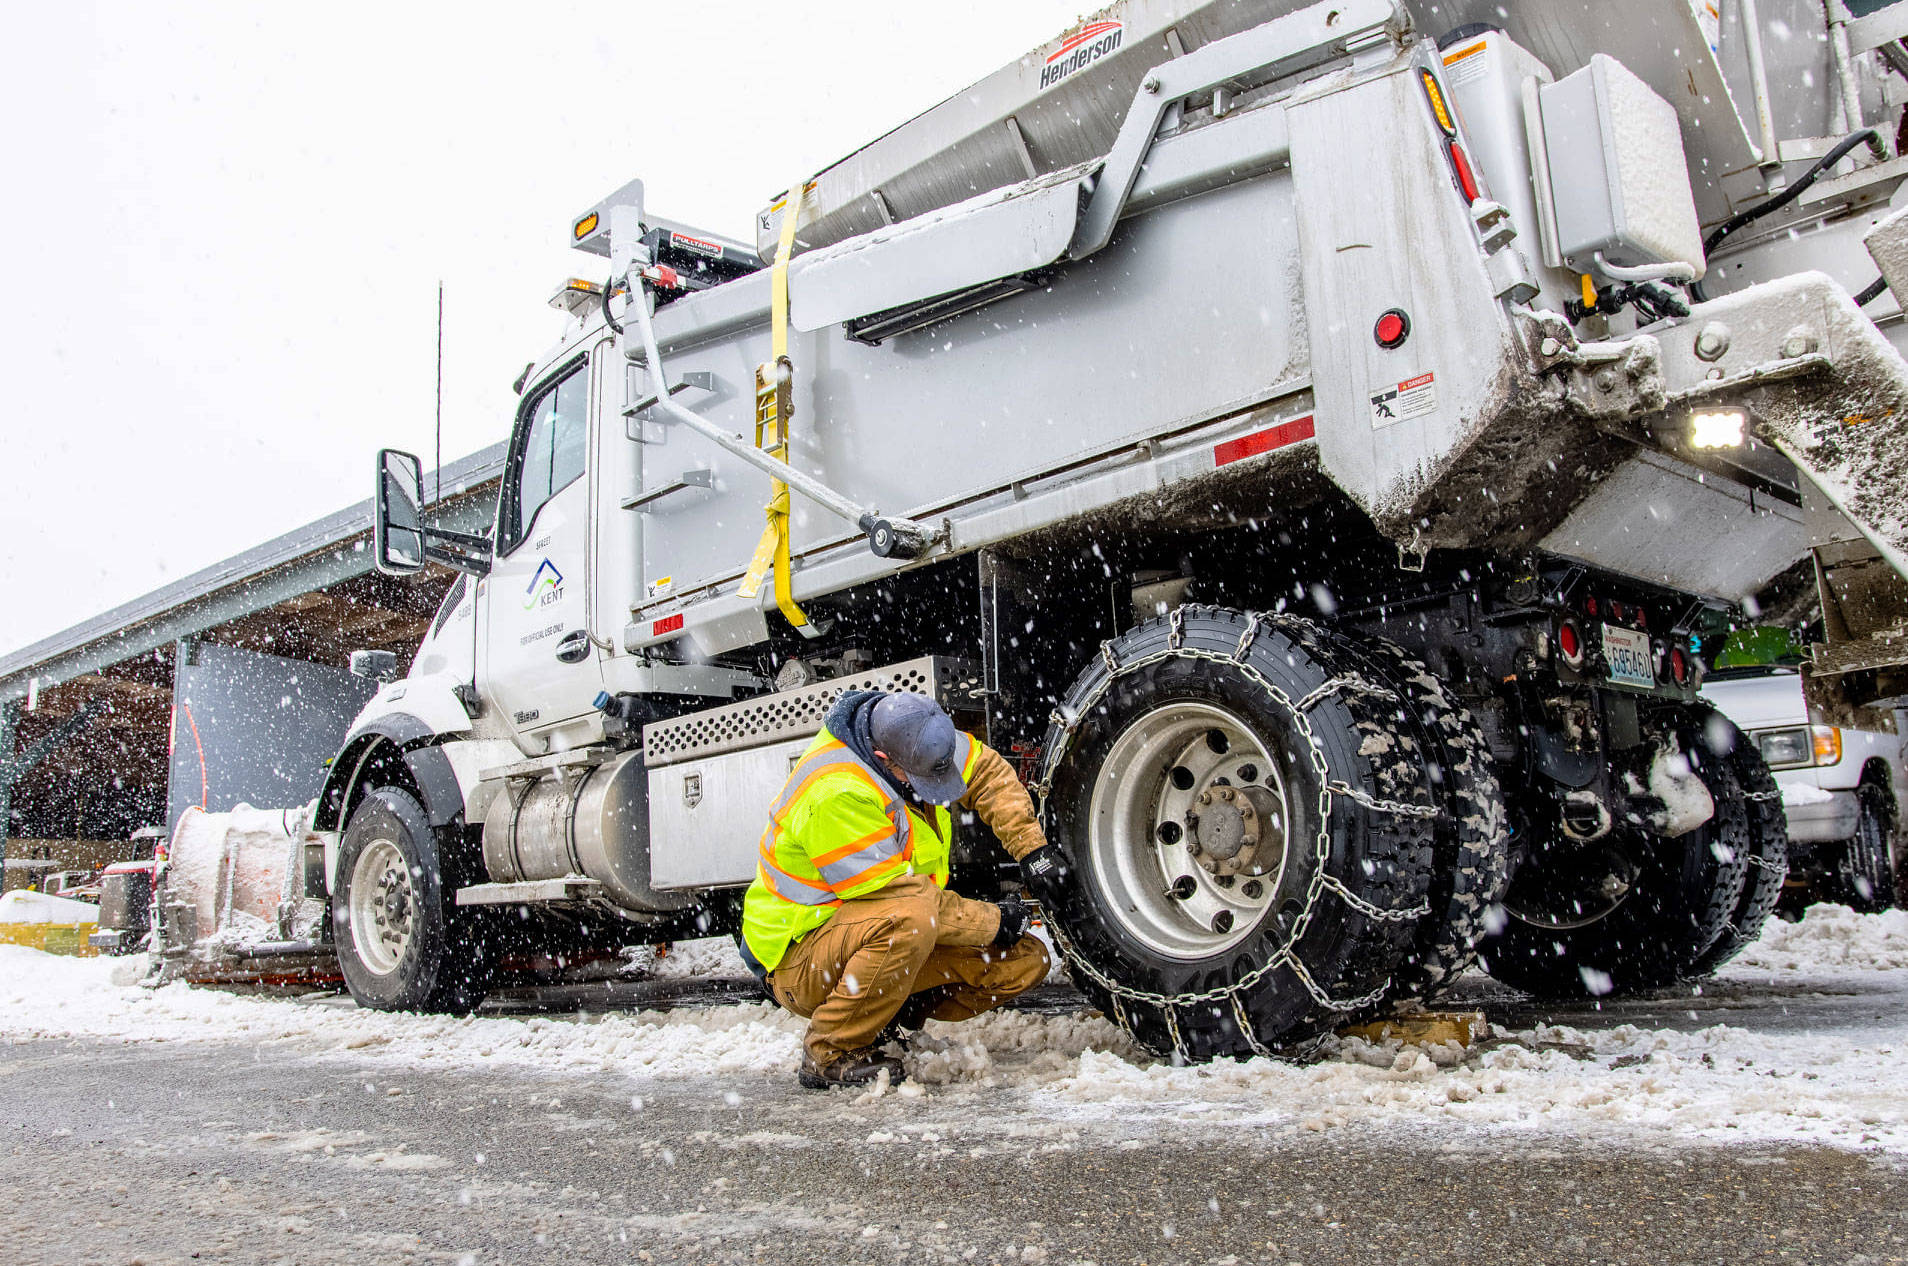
[(1826, 1064)]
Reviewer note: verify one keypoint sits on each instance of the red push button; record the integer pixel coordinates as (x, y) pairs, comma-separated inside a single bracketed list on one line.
[(1392, 328)]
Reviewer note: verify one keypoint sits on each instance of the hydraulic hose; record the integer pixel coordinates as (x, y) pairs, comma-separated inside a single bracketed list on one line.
[(1783, 199), (607, 318)]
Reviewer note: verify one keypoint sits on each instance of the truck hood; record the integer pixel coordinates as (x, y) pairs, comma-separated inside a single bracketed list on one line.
[(1759, 703)]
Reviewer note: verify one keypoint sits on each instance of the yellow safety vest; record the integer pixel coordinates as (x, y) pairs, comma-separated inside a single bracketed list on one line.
[(837, 832)]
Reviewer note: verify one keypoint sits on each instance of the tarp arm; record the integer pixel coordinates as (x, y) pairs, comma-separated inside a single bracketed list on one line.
[(894, 537), (1296, 42)]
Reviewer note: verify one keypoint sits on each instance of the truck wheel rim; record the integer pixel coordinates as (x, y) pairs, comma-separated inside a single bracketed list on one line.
[(383, 907), (1164, 840)]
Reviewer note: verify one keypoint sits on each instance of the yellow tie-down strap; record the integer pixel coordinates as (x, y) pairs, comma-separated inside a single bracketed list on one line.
[(773, 403)]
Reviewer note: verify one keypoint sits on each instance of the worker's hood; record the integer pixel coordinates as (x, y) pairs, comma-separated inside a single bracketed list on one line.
[(850, 720)]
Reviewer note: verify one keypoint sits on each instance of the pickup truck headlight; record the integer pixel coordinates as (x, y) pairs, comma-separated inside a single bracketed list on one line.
[(1800, 745), (1786, 749)]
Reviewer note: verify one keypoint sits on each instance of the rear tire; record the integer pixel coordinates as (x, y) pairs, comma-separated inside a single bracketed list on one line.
[(1196, 951), (1562, 937), (403, 943), (1470, 857)]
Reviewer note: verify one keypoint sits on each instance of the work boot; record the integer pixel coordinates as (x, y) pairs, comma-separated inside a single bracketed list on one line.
[(851, 1068)]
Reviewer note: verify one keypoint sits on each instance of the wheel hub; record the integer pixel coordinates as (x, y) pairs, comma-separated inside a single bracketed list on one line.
[(383, 907), (1236, 830), (1189, 829)]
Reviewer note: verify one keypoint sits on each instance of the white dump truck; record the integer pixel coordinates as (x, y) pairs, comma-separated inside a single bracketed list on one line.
[(1306, 436)]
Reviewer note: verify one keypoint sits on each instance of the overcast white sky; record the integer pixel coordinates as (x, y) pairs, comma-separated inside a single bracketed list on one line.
[(223, 226)]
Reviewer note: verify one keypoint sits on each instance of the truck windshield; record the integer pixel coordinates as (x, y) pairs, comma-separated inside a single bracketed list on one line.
[(552, 436)]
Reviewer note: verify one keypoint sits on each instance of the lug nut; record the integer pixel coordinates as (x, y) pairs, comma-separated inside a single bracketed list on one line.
[(1252, 889)]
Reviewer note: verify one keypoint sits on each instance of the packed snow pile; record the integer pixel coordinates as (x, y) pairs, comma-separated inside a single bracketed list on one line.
[(21, 906), (1821, 1062), (1830, 938)]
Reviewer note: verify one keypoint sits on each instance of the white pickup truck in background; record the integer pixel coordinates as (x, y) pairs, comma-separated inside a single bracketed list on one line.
[(1842, 789)]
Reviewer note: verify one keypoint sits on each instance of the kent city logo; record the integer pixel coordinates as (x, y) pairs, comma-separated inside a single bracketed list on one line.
[(546, 587), (1081, 49)]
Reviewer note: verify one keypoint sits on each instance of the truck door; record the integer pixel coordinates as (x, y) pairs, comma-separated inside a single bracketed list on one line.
[(539, 665)]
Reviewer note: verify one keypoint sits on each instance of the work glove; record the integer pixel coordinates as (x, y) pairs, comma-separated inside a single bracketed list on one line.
[(1049, 875), (1015, 915)]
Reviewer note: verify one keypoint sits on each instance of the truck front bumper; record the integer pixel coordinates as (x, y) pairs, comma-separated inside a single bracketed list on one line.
[(1817, 815)]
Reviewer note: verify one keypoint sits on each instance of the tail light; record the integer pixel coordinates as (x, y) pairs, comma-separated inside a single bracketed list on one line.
[(1679, 665), (1570, 643), (1434, 94), (1461, 168), (1467, 180)]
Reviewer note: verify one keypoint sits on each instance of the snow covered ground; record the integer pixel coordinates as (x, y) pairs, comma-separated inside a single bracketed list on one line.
[(1817, 1052)]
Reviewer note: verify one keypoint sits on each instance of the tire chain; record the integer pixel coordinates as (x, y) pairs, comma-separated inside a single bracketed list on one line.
[(1068, 719)]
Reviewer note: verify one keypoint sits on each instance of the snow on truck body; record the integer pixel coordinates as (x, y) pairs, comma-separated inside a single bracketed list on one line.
[(1327, 416)]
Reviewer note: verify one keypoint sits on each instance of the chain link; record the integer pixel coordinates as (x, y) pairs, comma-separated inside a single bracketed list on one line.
[(1396, 808), (1245, 639), (1172, 1027), (1244, 1022), (1326, 1000), (1371, 911), (1321, 882)]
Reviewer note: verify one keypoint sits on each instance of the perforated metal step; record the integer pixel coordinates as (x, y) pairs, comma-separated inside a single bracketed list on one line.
[(791, 714)]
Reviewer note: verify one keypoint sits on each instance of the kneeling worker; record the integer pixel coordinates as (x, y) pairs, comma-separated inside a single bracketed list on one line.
[(849, 914)]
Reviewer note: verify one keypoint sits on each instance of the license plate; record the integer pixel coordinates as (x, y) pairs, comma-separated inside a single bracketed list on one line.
[(1627, 652)]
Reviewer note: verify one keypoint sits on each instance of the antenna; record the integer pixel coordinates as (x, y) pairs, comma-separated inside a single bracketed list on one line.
[(438, 495)]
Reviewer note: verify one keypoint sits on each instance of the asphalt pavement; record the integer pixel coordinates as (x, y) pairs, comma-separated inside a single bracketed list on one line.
[(235, 1153)]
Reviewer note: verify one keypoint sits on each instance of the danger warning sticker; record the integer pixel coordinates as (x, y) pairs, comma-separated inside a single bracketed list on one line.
[(1411, 398)]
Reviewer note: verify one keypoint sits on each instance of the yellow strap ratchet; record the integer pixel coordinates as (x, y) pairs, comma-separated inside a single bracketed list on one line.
[(773, 403)]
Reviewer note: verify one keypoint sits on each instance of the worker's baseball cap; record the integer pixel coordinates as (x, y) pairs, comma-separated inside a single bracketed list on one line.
[(919, 737)]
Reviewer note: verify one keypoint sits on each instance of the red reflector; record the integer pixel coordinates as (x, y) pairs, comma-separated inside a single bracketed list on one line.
[(1263, 441), (1462, 166), (1642, 618), (668, 624), (1392, 328), (1679, 666), (1569, 643), (1590, 606), (1616, 611)]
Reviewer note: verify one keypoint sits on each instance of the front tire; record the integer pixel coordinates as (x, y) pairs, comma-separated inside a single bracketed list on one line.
[(1252, 843), (1864, 877), (403, 944), (1768, 840)]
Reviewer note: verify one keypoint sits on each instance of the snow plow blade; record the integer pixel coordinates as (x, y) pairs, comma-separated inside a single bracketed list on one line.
[(241, 901)]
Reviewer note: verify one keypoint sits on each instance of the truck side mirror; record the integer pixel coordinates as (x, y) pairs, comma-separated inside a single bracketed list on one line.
[(375, 665), (398, 534)]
